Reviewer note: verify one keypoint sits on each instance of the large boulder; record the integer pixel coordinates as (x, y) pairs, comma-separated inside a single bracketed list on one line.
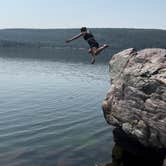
[(136, 101)]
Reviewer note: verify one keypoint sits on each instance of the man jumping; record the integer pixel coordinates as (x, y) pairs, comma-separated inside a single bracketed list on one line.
[(94, 45)]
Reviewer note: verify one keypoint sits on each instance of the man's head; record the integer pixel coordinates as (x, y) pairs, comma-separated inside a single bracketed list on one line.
[(83, 29)]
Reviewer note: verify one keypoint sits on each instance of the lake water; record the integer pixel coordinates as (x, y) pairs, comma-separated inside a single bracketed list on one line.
[(50, 113)]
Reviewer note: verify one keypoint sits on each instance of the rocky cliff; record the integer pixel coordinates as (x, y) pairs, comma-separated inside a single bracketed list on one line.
[(136, 101)]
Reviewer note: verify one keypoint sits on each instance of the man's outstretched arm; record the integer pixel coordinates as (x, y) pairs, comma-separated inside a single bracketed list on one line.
[(74, 38)]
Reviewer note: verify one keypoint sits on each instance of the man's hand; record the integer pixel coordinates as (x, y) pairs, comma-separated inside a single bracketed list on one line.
[(67, 41)]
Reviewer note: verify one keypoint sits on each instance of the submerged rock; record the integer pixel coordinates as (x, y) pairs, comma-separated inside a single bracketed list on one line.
[(136, 101)]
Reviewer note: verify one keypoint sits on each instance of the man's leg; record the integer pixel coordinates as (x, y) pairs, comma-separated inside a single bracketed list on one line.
[(93, 53), (89, 51), (98, 50)]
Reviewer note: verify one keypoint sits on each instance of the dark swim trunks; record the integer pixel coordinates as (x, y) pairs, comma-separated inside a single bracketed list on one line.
[(91, 40), (92, 43)]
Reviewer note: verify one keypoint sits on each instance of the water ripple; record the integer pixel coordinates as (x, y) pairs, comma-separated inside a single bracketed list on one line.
[(51, 113)]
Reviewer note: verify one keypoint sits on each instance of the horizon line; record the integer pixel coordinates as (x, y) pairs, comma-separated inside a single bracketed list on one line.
[(19, 28)]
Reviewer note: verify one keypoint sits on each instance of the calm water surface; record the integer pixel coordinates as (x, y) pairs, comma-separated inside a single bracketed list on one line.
[(50, 113)]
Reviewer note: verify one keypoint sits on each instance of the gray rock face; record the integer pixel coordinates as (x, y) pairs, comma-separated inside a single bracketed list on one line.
[(164, 162), (136, 101)]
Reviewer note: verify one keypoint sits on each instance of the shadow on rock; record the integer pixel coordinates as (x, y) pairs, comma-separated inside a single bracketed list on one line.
[(127, 151)]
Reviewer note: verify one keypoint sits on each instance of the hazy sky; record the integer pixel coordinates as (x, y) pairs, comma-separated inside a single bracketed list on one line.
[(77, 13)]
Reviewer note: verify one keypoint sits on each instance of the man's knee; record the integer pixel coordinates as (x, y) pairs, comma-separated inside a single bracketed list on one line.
[(89, 51)]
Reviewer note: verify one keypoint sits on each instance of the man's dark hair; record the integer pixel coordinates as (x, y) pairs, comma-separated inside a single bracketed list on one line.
[(83, 29)]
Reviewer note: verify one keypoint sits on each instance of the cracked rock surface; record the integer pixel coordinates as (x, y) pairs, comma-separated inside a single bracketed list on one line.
[(136, 101)]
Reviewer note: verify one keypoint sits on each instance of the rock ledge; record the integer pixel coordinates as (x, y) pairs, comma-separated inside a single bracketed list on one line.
[(136, 101)]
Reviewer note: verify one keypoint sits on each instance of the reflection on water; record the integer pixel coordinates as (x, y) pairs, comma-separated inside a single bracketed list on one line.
[(50, 113)]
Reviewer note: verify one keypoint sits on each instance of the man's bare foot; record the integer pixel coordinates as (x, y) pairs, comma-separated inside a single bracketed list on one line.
[(105, 45), (93, 61)]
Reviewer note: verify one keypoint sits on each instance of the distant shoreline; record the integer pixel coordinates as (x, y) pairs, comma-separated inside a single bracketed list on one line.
[(51, 42)]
